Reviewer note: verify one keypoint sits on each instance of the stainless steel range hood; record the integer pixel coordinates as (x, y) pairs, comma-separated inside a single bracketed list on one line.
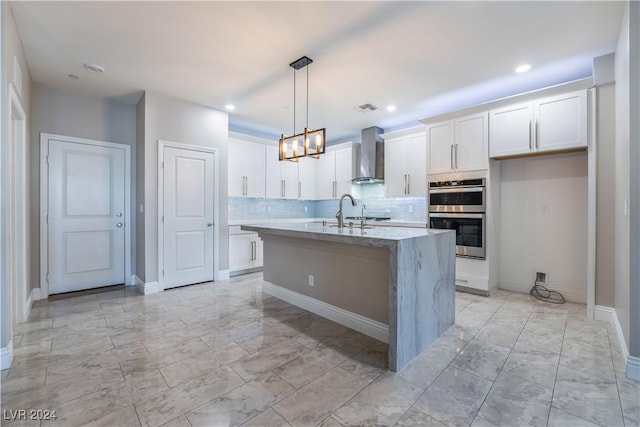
[(371, 157)]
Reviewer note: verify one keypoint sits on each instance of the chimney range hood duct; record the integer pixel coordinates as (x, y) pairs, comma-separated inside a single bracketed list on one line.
[(371, 157)]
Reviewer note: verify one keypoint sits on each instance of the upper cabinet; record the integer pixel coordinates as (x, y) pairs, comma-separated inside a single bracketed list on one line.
[(458, 145), (405, 164), (246, 169), (281, 177), (335, 170), (557, 123), (307, 178)]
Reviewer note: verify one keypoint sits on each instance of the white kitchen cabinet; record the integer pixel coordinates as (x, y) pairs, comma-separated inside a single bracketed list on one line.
[(281, 177), (405, 165), (458, 145), (307, 178), (246, 169), (245, 250), (335, 171), (553, 124)]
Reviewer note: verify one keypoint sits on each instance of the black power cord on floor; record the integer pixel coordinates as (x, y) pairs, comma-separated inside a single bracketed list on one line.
[(543, 294)]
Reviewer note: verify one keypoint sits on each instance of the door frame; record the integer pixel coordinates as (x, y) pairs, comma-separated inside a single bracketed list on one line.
[(216, 227), (44, 205), (17, 212)]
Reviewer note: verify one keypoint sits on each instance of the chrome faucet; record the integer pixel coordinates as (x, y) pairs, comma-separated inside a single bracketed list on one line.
[(339, 213)]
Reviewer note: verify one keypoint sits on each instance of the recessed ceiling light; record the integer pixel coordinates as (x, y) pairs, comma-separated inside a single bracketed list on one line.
[(94, 67), (523, 68), (73, 76), (391, 108), (230, 107)]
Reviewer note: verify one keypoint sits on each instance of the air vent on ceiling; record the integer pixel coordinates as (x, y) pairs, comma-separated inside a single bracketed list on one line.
[(365, 108)]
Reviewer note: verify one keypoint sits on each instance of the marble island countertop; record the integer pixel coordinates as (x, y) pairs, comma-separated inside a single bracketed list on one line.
[(390, 223), (379, 235)]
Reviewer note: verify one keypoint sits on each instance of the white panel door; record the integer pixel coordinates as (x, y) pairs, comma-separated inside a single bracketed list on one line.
[(396, 167), (344, 171), (561, 122), (188, 200), (472, 143), (417, 157), (86, 209), (307, 170), (511, 130), (326, 176)]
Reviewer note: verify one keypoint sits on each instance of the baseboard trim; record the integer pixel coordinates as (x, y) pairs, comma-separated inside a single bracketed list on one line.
[(29, 303), (147, 288), (221, 275), (362, 324), (526, 288), (473, 291), (632, 363), (6, 356), (604, 313)]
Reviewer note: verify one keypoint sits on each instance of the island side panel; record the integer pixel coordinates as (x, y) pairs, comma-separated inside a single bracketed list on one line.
[(421, 295), (352, 277)]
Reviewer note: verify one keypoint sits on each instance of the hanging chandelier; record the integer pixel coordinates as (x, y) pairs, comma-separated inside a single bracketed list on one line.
[(310, 142)]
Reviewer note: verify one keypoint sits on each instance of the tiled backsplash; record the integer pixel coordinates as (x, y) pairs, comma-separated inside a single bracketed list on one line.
[(371, 195)]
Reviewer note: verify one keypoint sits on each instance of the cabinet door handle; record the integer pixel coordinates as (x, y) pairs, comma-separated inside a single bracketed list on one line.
[(451, 156), (530, 148), (536, 135), (251, 251), (456, 150), (408, 183)]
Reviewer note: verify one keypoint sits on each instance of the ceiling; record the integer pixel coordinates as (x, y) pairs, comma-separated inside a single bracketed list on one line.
[(426, 58)]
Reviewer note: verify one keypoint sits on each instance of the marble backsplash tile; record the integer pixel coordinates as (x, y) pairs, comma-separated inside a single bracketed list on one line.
[(371, 195)]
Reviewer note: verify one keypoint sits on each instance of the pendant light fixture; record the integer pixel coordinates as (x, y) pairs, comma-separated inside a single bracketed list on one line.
[(309, 143)]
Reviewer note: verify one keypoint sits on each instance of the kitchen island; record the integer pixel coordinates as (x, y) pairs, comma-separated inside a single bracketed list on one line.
[(394, 284)]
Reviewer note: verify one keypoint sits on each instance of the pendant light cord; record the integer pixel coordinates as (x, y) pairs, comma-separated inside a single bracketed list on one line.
[(307, 97), (294, 102)]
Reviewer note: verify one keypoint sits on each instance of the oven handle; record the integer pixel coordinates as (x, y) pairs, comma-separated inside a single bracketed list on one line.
[(458, 190), (457, 215)]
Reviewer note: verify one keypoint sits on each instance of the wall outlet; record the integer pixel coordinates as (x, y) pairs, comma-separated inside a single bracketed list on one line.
[(541, 277), (268, 208), (306, 209), (410, 208), (312, 280)]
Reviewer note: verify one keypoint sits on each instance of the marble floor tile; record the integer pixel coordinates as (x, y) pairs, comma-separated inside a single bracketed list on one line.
[(478, 421), (311, 404), (181, 421), (533, 364), (94, 407), (165, 357), (366, 408), (455, 397), (587, 397), (516, 401), (369, 363), (330, 422), (121, 358), (560, 418), (416, 418), (484, 360), (194, 367), (268, 418), (309, 366), (425, 368), (165, 406), (242, 403), (629, 391)]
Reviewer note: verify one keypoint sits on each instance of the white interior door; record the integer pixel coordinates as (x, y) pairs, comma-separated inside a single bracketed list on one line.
[(188, 205), (86, 214)]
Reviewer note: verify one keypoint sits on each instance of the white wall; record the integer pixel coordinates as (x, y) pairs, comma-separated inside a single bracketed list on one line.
[(65, 113), (174, 120), (543, 223), (11, 47), (622, 177)]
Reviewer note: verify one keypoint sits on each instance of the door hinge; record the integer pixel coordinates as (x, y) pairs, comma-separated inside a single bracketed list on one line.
[(162, 165), (162, 218), (163, 273), (47, 158), (47, 218), (47, 277)]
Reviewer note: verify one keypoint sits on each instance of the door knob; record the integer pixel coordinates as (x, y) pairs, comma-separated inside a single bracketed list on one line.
[(119, 225), (119, 214), (209, 224)]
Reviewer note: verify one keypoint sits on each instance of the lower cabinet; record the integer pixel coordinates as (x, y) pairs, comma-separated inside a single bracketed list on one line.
[(245, 250)]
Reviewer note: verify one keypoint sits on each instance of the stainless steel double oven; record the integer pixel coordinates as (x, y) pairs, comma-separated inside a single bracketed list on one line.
[(460, 205)]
